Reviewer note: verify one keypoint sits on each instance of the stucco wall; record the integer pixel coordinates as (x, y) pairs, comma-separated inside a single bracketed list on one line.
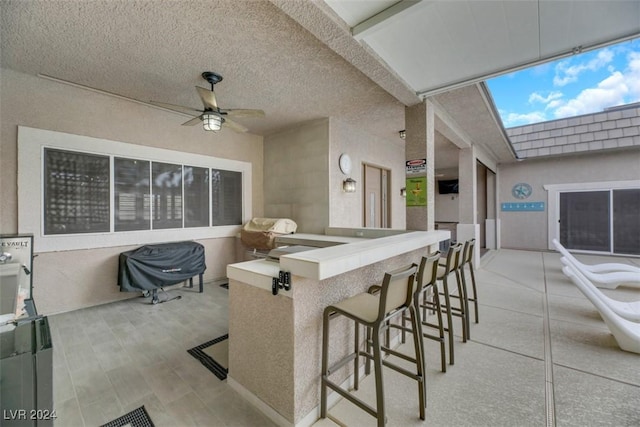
[(303, 180), (446, 207), (74, 279), (296, 168), (346, 208), (528, 230)]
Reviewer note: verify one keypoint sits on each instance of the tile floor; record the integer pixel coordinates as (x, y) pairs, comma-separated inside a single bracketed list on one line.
[(114, 358)]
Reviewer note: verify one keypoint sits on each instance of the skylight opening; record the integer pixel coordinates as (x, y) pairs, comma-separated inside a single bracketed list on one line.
[(585, 83)]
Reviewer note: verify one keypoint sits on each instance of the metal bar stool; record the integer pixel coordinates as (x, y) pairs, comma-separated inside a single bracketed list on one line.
[(468, 260), (428, 279), (373, 312), (426, 288), (452, 265)]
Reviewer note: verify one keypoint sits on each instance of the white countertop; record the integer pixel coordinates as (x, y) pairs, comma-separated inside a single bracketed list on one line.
[(331, 261), (317, 240), (323, 263)]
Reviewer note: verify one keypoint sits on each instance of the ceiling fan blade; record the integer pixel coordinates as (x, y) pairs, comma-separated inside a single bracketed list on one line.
[(238, 112), (193, 121), (234, 125), (208, 98), (173, 107)]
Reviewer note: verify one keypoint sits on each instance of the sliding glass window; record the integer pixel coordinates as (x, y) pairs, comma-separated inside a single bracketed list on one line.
[(76, 192), (132, 207), (196, 197), (226, 197), (147, 195), (167, 195)]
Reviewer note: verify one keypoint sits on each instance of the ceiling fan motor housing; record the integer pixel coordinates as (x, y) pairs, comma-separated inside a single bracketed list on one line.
[(212, 77)]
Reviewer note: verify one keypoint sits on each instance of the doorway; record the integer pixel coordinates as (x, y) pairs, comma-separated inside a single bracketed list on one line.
[(601, 221), (376, 204)]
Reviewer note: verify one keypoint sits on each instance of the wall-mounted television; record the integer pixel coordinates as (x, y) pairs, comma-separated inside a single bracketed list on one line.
[(449, 186)]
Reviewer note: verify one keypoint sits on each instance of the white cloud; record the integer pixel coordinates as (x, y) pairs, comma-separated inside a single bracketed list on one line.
[(566, 73), (517, 119), (536, 97), (633, 76), (617, 89)]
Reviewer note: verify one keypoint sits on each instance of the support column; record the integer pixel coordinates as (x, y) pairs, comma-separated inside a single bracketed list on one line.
[(468, 226), (420, 143)]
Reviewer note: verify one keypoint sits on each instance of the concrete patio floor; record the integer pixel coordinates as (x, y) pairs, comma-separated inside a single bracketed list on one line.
[(541, 355)]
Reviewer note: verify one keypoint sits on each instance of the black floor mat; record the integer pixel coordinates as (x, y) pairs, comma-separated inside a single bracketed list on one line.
[(136, 418)]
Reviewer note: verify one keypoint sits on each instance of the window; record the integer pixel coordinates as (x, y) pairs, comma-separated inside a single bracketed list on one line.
[(146, 195), (196, 197), (167, 195), (226, 195), (132, 195), (76, 192), (120, 205)]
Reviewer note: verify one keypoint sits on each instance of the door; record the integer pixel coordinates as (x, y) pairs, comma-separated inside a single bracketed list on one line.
[(584, 221), (626, 221), (601, 221), (376, 200)]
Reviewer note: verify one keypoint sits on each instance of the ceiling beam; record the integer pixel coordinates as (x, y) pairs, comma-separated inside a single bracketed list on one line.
[(451, 130), (381, 19)]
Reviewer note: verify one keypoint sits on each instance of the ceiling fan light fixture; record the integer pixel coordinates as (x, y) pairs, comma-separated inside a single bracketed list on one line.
[(211, 122)]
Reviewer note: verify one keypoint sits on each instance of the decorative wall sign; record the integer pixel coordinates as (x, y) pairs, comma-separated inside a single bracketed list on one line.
[(523, 206), (417, 191), (522, 190), (416, 166)]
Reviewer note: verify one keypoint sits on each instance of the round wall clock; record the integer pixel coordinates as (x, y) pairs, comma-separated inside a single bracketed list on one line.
[(521, 190), (345, 164)]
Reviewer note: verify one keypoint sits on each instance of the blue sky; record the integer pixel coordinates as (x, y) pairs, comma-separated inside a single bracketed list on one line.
[(580, 84)]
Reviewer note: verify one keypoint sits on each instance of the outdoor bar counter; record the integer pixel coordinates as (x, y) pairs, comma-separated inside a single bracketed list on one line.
[(275, 340)]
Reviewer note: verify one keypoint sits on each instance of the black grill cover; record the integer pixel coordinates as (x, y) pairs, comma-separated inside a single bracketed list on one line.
[(154, 266)]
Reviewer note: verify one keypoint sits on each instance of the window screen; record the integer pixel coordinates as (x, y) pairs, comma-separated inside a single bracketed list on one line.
[(146, 195), (167, 195), (584, 221), (76, 192), (226, 197), (196, 197), (132, 207), (626, 221)]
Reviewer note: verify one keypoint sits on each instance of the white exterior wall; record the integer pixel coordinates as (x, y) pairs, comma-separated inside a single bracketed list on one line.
[(529, 230)]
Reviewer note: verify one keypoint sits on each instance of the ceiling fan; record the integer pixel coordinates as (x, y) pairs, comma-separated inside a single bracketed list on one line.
[(212, 116)]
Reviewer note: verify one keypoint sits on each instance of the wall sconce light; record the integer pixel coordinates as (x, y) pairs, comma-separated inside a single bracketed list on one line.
[(402, 134), (403, 192), (349, 185), (211, 122)]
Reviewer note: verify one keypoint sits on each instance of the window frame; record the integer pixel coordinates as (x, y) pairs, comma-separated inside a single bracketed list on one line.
[(31, 145)]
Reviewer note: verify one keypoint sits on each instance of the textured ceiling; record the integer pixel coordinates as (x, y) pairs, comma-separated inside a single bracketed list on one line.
[(156, 50), (296, 60)]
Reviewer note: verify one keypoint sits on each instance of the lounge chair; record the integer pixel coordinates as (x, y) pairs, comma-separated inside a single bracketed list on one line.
[(609, 276), (598, 268), (627, 310), (625, 332)]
